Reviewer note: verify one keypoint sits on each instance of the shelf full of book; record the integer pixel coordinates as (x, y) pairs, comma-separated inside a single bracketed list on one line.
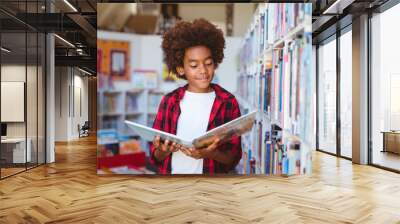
[(276, 78), (126, 100)]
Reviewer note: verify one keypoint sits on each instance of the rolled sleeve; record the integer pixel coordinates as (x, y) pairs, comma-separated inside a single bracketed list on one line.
[(157, 124)]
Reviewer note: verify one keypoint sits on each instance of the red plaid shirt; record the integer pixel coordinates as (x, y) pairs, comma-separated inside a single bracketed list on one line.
[(224, 109)]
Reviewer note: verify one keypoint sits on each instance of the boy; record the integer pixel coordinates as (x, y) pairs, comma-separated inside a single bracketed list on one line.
[(193, 50)]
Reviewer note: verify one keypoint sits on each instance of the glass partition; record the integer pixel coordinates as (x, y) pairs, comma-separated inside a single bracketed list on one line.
[(22, 88), (14, 152), (346, 94), (385, 89), (41, 86), (327, 96)]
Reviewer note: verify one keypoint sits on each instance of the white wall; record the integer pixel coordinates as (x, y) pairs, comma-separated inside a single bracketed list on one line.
[(146, 53), (80, 83), (214, 12), (211, 11), (150, 54), (13, 73), (228, 70), (243, 14), (16, 73), (68, 81), (61, 103)]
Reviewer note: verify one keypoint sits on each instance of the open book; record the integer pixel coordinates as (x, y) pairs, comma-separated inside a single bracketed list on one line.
[(225, 132)]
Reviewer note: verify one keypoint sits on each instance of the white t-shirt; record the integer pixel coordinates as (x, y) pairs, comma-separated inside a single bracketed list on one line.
[(192, 123)]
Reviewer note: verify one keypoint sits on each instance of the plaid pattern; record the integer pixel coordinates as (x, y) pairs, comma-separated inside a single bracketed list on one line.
[(224, 109)]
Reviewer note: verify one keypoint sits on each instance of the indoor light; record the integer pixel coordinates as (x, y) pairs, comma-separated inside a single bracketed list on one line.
[(338, 6), (70, 5), (79, 51), (65, 41), (86, 72), (5, 49)]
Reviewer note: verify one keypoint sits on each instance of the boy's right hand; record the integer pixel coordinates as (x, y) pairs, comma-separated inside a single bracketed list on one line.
[(167, 147)]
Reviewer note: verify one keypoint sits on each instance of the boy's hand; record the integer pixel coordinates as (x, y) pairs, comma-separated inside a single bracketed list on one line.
[(200, 153), (167, 147)]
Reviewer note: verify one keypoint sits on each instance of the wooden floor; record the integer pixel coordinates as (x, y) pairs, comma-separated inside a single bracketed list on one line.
[(69, 191), (10, 171), (387, 159), (5, 172)]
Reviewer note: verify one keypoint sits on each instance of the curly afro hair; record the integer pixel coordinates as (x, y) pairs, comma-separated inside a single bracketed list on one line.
[(184, 35)]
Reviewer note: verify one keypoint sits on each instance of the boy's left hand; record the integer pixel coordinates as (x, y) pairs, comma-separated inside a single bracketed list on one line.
[(201, 153)]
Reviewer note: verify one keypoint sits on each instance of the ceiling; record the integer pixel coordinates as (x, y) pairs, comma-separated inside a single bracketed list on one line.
[(330, 15), (73, 20), (76, 22)]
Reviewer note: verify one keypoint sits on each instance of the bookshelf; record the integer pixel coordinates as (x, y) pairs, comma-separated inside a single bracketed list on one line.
[(135, 104), (275, 77)]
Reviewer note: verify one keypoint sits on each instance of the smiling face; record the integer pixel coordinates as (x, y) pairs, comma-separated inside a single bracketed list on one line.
[(198, 69)]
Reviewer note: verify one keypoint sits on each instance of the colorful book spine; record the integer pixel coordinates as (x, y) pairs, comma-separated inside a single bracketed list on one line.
[(275, 78), (131, 103), (262, 32), (260, 145)]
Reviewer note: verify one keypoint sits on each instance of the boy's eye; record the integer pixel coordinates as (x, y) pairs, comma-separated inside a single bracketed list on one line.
[(193, 66)]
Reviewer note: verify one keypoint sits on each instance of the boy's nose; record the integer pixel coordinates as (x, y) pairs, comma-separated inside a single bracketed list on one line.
[(203, 69)]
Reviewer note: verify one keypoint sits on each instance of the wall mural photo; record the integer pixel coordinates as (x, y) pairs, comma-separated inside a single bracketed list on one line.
[(169, 104)]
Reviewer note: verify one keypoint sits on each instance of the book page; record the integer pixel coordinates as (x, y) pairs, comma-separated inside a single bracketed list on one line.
[(224, 132), (227, 131), (149, 134)]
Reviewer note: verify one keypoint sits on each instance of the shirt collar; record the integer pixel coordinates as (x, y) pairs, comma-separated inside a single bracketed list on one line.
[(220, 93)]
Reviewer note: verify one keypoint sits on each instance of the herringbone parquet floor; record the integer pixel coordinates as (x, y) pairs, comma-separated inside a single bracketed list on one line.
[(69, 191)]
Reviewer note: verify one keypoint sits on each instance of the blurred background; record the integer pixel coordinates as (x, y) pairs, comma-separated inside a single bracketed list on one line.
[(132, 77), (51, 47)]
